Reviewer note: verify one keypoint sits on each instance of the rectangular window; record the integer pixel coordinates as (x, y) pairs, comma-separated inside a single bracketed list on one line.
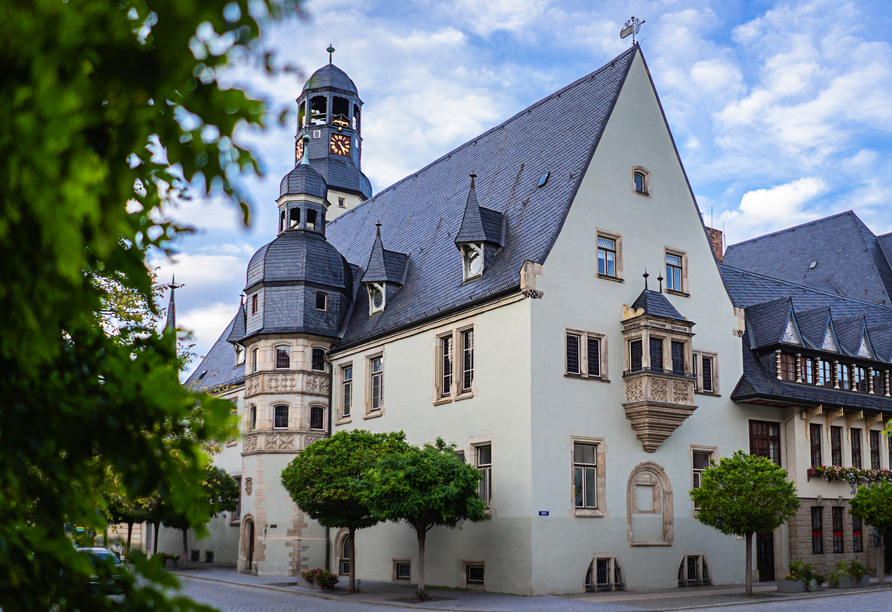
[(281, 417), (845, 377), (317, 417), (283, 357), (573, 354), (347, 388), (377, 383), (859, 378), (673, 272), (701, 463), (402, 571), (856, 447), (836, 515), (635, 355), (878, 387), (254, 304), (808, 370), (342, 203), (706, 363), (836, 445), (484, 464), (606, 256), (814, 434), (656, 354), (765, 440), (445, 366), (817, 530), (857, 535), (474, 575), (788, 369), (825, 373), (254, 359), (874, 441), (238, 508), (253, 418), (318, 362), (677, 349), (321, 301), (585, 475), (593, 358), (467, 367)]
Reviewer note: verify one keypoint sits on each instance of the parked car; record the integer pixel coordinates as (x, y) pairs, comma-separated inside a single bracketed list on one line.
[(110, 583)]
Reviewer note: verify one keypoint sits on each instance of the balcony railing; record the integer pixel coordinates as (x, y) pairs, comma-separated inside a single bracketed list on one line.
[(661, 371)]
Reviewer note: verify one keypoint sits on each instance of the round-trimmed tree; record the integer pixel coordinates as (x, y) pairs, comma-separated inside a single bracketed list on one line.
[(873, 505)]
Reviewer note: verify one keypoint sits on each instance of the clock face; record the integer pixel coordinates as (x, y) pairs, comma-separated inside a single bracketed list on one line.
[(298, 150), (340, 144)]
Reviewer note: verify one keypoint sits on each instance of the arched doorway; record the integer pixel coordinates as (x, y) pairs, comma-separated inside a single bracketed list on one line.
[(248, 545)]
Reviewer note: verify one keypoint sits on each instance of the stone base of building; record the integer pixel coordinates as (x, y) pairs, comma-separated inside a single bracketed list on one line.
[(821, 547)]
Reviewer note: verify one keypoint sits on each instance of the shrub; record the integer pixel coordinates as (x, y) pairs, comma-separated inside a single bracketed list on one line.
[(805, 572), (310, 575), (326, 580), (854, 570)]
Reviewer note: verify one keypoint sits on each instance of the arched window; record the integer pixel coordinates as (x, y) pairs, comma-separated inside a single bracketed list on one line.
[(694, 570), (641, 180), (318, 359), (604, 574), (253, 418), (317, 417), (649, 500), (340, 111), (346, 556)]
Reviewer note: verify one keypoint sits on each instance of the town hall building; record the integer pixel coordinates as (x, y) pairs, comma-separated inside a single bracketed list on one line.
[(547, 298)]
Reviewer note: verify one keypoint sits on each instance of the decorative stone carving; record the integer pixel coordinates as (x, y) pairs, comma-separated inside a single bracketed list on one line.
[(272, 383), (288, 383), (310, 439), (680, 390), (316, 384), (280, 442), (659, 389), (249, 485), (634, 391), (250, 443), (252, 386)]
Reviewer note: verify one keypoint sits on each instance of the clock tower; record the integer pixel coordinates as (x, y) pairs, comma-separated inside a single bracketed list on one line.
[(329, 112)]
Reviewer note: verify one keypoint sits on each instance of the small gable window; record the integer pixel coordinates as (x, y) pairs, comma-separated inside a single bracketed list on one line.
[(640, 180), (472, 256), (376, 298)]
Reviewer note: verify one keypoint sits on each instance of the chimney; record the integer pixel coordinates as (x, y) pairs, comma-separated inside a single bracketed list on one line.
[(717, 242)]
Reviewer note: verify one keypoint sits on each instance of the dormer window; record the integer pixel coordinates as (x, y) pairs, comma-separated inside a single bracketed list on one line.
[(472, 256), (376, 297), (239, 354)]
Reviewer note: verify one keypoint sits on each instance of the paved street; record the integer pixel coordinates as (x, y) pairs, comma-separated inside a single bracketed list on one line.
[(284, 597)]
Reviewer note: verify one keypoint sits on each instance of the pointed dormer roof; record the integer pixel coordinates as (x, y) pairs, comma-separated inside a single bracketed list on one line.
[(768, 322), (881, 337), (853, 337), (238, 325), (480, 224), (813, 325), (655, 304), (385, 266)]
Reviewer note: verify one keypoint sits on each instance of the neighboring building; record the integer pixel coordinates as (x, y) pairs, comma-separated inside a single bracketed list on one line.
[(823, 360), (506, 312)]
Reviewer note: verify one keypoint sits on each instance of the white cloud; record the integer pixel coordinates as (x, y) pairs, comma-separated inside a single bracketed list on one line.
[(767, 210), (206, 323)]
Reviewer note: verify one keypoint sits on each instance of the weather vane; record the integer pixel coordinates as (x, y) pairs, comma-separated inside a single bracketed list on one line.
[(330, 51), (632, 26)]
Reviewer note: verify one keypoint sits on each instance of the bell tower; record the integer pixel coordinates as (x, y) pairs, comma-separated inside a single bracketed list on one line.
[(329, 111)]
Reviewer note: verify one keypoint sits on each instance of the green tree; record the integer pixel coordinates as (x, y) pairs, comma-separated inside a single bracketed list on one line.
[(742, 495), (322, 480), (121, 510), (425, 487), (110, 110), (220, 493), (873, 505)]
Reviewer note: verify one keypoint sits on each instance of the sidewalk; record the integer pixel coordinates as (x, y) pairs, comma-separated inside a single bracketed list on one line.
[(400, 595)]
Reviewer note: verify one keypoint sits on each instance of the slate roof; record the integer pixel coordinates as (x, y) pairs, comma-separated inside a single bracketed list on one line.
[(299, 256), (421, 215), (330, 76), (304, 179), (385, 266), (218, 366), (479, 224), (655, 304), (238, 326), (850, 258), (768, 321), (881, 338), (813, 324), (342, 175)]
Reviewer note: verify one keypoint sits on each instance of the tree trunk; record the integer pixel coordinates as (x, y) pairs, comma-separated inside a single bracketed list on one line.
[(155, 527), (351, 586), (421, 594), (185, 550), (749, 564), (129, 535), (881, 560)]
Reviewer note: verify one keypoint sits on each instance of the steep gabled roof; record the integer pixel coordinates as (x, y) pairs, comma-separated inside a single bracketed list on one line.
[(238, 325), (768, 321), (383, 265), (218, 370), (835, 254), (655, 304), (421, 215), (479, 224), (813, 324), (881, 337)]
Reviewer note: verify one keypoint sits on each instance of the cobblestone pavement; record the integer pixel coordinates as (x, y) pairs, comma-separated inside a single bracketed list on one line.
[(285, 598)]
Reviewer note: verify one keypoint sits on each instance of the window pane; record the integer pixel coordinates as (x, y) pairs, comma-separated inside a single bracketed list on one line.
[(572, 354), (577, 483), (484, 455), (281, 416), (594, 357), (316, 417), (707, 373), (674, 260), (348, 373), (701, 461), (635, 355), (321, 301), (468, 360), (606, 243), (678, 357), (590, 487), (318, 359), (283, 357), (602, 262), (656, 353), (611, 264), (376, 365), (639, 182)]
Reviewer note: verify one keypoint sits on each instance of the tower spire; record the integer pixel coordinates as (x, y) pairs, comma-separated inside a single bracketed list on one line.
[(171, 322), (330, 51)]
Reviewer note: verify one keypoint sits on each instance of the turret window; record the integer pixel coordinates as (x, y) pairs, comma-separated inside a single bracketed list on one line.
[(322, 301), (281, 417), (283, 358), (293, 218), (473, 260), (311, 219), (318, 110), (281, 220), (318, 359), (317, 417), (356, 118), (340, 110), (302, 115)]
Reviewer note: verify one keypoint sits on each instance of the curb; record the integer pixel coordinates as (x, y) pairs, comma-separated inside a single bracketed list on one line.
[(390, 604)]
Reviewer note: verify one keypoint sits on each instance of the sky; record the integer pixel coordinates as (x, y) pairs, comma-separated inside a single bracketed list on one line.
[(782, 111)]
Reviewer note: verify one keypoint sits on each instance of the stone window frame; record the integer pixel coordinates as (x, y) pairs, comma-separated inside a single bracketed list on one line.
[(618, 261), (668, 336), (310, 415), (665, 499), (698, 355), (368, 412), (309, 352), (378, 287), (276, 348), (456, 332), (702, 561), (394, 576), (473, 443), (584, 336), (612, 567), (255, 360), (288, 413), (340, 393), (600, 511), (464, 575), (648, 181), (338, 555), (685, 271), (713, 455)]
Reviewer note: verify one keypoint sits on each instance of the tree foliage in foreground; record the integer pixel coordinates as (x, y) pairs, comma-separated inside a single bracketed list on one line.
[(742, 495), (873, 505), (322, 480), (87, 86), (426, 487)]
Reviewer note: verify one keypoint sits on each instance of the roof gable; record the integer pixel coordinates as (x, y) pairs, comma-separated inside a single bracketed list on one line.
[(422, 214), (768, 322)]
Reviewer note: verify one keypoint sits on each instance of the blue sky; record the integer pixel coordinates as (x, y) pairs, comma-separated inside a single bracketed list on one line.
[(781, 110)]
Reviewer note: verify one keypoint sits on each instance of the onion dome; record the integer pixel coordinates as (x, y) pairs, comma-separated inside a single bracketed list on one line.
[(330, 76), (303, 180), (299, 256)]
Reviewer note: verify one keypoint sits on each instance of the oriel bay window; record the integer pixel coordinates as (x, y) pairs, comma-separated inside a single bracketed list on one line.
[(656, 354), (585, 475)]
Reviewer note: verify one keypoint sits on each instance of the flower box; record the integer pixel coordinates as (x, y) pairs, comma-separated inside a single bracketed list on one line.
[(796, 586), (848, 583)]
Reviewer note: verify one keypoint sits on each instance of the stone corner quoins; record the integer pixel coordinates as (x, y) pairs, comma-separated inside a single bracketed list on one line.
[(287, 382)]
